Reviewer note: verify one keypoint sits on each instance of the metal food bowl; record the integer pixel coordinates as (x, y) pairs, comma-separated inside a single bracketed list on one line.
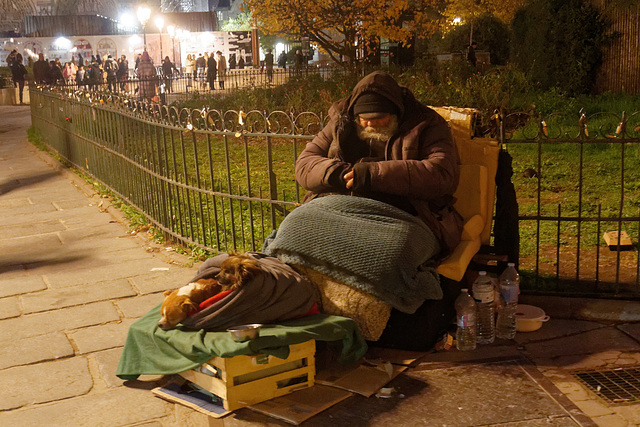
[(245, 332)]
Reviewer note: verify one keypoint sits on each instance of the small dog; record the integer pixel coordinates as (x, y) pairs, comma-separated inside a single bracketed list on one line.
[(180, 303), (237, 270)]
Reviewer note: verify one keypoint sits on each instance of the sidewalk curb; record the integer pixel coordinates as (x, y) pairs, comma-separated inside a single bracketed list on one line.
[(597, 310)]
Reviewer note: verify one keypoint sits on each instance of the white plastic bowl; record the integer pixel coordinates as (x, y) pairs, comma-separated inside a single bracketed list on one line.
[(529, 318)]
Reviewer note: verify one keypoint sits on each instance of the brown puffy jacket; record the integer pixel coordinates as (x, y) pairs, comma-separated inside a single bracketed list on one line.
[(419, 174)]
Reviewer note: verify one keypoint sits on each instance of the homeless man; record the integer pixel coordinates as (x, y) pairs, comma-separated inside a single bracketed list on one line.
[(383, 144)]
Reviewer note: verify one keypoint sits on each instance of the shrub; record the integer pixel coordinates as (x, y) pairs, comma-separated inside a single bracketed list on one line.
[(489, 32), (559, 44)]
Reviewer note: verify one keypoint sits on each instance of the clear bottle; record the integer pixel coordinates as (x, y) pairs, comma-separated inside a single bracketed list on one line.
[(466, 313), (509, 290), (483, 293)]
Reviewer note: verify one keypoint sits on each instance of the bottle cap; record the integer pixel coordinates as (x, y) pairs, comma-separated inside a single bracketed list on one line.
[(482, 273), (511, 264), (464, 290)]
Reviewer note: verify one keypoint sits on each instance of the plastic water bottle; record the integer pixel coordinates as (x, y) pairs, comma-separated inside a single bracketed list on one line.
[(483, 293), (466, 313), (509, 290)]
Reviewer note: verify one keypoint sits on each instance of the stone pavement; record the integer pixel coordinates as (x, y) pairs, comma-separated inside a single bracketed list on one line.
[(73, 277)]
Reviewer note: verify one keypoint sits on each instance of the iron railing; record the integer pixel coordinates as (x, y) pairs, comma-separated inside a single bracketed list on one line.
[(182, 85), (576, 178), (223, 181)]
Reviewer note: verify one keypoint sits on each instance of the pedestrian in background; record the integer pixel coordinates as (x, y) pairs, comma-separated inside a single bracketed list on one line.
[(471, 54), (297, 62), (212, 71), (268, 64), (282, 60), (167, 73), (123, 73), (40, 68), (148, 77), (54, 73), (19, 74), (111, 67), (222, 69)]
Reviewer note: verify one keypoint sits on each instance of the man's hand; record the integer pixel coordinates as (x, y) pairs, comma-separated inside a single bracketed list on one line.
[(348, 179)]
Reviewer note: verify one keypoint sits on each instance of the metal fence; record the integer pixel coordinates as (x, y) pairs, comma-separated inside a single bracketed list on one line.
[(182, 85), (577, 179), (224, 180)]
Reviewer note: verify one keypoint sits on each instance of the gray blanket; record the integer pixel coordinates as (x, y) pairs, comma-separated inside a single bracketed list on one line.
[(278, 294), (363, 243)]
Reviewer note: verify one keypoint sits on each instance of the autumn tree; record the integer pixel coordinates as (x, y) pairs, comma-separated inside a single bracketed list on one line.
[(470, 10), (340, 27)]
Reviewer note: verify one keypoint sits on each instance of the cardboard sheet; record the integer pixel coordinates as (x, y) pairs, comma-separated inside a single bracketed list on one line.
[(397, 357), (301, 405), (365, 380), (174, 392)]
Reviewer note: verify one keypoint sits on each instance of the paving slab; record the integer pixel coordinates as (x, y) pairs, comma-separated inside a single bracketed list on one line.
[(24, 210), (112, 271), (589, 342), (116, 407), (108, 363), (469, 395), (31, 350), (64, 319), (160, 281), (631, 329), (102, 337), (55, 381), (556, 328), (9, 307), (136, 307), (18, 248), (51, 299)]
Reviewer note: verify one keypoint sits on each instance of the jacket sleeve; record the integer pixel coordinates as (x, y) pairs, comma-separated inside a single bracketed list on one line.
[(426, 170), (315, 171)]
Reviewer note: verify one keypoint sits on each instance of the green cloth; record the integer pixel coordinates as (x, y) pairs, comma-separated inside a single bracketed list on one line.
[(151, 351)]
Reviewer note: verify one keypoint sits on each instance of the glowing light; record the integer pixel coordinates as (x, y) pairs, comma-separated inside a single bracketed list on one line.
[(171, 29), (144, 13), (457, 20), (62, 43), (135, 40), (159, 21), (127, 20)]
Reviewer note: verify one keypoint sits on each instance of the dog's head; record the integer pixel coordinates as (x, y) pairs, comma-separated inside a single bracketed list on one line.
[(175, 308), (237, 270)]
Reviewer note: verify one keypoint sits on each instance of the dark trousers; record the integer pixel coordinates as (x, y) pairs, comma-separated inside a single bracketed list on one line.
[(20, 84), (421, 330)]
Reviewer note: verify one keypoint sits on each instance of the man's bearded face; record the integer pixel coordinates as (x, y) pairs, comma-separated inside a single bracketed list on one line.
[(380, 129)]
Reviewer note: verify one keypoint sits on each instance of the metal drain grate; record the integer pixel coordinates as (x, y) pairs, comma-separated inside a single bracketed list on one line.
[(617, 386)]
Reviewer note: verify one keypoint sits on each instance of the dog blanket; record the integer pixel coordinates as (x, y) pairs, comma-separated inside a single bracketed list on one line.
[(363, 243), (149, 350), (280, 293)]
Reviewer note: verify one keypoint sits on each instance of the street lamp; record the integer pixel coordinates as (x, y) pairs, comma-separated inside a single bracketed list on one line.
[(144, 13), (171, 29), (159, 21)]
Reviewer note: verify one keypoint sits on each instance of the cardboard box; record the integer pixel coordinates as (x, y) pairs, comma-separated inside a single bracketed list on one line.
[(246, 380), (612, 239)]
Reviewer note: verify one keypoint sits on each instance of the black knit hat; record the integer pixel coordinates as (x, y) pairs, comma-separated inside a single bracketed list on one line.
[(373, 105)]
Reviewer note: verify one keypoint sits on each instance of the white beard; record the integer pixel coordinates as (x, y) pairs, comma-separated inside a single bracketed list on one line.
[(382, 133)]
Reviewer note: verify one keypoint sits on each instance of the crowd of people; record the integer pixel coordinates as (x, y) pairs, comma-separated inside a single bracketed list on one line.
[(207, 68), (145, 80)]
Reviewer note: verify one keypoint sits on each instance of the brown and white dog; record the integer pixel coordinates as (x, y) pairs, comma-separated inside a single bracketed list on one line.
[(237, 270), (180, 303)]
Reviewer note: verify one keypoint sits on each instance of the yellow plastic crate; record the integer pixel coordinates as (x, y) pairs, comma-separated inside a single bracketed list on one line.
[(246, 380)]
